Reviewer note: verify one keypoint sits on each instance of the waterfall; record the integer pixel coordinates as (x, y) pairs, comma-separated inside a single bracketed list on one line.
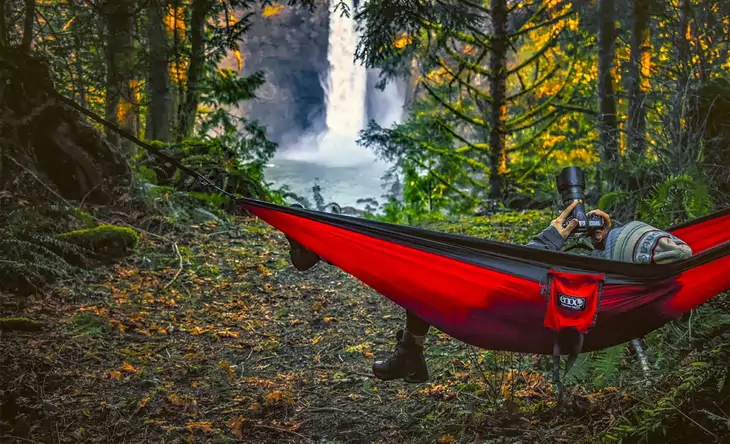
[(346, 171), (346, 92)]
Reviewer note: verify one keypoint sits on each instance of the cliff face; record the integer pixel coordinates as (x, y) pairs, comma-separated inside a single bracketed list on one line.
[(288, 44)]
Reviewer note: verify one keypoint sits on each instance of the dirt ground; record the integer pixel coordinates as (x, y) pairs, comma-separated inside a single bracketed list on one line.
[(218, 339)]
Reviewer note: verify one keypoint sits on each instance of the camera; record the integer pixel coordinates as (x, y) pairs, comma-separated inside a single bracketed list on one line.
[(571, 186)]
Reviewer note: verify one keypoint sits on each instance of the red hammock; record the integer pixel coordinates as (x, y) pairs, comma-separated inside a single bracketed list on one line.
[(508, 297)]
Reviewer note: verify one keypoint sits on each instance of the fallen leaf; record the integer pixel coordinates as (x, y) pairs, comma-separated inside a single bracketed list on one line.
[(203, 426), (127, 367), (236, 425), (227, 334), (197, 331)]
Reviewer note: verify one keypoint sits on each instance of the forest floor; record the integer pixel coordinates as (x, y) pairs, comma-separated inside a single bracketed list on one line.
[(217, 338)]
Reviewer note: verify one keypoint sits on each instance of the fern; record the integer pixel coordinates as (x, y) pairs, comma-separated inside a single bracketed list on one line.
[(613, 198), (676, 199), (600, 369)]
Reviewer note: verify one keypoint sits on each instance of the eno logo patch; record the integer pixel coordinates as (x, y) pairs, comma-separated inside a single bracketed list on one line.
[(571, 302)]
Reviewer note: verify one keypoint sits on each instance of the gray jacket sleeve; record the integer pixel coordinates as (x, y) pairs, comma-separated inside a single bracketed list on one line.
[(548, 239)]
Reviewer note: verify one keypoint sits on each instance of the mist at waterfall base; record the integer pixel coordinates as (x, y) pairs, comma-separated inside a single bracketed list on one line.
[(332, 158)]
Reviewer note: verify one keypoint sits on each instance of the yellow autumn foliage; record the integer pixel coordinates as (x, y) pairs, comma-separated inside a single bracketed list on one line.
[(239, 58), (178, 71), (437, 75), (175, 22), (123, 108), (272, 10), (402, 41)]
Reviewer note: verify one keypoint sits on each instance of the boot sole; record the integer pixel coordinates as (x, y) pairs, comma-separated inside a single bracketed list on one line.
[(414, 381), (408, 379)]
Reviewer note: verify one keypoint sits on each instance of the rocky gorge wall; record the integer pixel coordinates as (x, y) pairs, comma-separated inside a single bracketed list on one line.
[(289, 44)]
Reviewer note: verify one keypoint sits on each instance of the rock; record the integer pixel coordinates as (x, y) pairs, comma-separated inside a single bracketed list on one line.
[(206, 215), (351, 211), (290, 48)]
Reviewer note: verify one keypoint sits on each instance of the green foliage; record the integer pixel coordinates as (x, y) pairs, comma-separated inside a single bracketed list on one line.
[(518, 227), (676, 200), (220, 162), (90, 324), (31, 256), (688, 404)]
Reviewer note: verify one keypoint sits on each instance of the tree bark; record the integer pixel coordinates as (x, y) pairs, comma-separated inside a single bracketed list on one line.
[(498, 80), (45, 141), (158, 118), (80, 87), (607, 120), (195, 69), (27, 25), (636, 125), (120, 108), (684, 70), (3, 26)]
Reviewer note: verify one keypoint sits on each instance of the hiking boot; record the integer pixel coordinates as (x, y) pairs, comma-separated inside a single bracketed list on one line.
[(406, 362), (301, 258)]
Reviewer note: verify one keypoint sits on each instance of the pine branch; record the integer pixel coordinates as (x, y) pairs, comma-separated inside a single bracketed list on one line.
[(456, 112)]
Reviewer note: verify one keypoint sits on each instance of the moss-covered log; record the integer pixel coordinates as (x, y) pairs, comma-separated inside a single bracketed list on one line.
[(107, 241)]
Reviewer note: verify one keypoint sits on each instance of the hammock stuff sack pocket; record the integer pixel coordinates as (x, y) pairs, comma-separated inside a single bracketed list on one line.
[(572, 307)]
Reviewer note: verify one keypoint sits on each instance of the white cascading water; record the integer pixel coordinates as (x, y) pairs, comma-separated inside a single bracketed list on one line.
[(346, 171), (346, 98)]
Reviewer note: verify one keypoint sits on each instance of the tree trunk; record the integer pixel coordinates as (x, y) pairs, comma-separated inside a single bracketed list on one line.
[(497, 149), (80, 87), (46, 141), (195, 69), (683, 56), (684, 70), (3, 26), (120, 108), (636, 125), (607, 121), (28, 25), (158, 117)]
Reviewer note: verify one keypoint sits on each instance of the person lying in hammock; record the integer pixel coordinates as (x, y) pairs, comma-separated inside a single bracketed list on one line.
[(619, 244)]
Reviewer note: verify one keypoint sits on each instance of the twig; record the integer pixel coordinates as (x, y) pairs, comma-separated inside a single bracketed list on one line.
[(278, 429), (179, 268), (4, 437), (27, 170), (81, 205)]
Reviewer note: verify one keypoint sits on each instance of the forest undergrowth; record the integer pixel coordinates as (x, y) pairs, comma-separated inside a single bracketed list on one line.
[(211, 335)]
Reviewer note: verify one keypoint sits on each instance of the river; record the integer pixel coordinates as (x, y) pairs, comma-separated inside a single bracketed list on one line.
[(341, 184)]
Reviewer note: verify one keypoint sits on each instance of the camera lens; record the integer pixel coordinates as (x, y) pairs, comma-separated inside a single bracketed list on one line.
[(571, 183)]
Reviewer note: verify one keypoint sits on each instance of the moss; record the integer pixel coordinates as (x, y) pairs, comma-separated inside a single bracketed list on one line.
[(105, 240)]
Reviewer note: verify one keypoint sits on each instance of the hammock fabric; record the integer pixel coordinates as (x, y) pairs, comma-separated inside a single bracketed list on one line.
[(508, 297)]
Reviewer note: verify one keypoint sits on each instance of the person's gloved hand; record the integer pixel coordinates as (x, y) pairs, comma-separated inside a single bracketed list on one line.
[(560, 220)]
